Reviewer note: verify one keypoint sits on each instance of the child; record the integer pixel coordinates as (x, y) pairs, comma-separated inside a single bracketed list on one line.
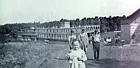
[(77, 56)]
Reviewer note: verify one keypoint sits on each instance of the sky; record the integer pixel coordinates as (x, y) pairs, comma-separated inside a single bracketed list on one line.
[(24, 11)]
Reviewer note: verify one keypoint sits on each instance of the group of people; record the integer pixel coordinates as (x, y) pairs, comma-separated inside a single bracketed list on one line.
[(78, 48)]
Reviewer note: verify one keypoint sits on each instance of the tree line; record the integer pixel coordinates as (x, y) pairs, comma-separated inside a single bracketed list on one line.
[(107, 24)]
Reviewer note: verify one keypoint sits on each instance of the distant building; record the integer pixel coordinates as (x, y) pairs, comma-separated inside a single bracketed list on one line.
[(130, 27), (61, 33), (65, 25), (28, 34)]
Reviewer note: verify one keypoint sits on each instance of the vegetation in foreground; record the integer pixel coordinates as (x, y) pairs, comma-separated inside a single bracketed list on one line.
[(19, 54)]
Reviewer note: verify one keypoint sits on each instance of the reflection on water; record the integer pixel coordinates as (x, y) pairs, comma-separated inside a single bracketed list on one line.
[(112, 63)]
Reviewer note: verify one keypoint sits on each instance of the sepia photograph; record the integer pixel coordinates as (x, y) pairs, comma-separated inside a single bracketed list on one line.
[(69, 34)]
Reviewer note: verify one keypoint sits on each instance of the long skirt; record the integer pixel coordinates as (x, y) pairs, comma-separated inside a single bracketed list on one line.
[(78, 64)]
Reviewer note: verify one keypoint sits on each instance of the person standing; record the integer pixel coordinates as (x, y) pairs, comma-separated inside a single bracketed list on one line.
[(109, 41), (96, 38), (71, 38), (77, 56), (84, 41)]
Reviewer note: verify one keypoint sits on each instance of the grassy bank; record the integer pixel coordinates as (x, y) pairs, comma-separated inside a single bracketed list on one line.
[(23, 54)]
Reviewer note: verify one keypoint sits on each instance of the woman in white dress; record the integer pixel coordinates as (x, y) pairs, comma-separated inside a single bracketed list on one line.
[(84, 41), (77, 56), (71, 38)]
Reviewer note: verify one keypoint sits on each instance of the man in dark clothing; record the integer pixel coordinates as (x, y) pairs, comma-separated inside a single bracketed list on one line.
[(96, 44)]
